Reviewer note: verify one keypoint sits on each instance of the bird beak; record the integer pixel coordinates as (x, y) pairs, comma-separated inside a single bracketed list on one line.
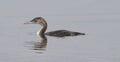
[(29, 22)]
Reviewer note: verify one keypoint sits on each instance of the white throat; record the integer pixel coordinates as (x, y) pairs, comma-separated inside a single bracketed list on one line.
[(38, 33)]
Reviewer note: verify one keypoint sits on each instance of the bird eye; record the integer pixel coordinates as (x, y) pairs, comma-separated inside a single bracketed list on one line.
[(35, 20)]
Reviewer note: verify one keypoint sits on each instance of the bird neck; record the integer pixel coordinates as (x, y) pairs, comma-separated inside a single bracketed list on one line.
[(42, 31)]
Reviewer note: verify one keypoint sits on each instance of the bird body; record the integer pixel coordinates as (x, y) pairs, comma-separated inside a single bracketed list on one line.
[(57, 33), (62, 33)]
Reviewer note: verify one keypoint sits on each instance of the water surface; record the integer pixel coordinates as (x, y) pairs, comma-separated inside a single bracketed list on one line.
[(18, 41)]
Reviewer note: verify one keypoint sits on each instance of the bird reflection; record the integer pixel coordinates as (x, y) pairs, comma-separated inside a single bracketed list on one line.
[(38, 46), (41, 45)]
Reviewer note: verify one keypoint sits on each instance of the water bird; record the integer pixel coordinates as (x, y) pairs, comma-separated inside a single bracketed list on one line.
[(57, 33)]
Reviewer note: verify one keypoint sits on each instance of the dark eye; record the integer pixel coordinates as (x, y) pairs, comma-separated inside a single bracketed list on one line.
[(35, 20)]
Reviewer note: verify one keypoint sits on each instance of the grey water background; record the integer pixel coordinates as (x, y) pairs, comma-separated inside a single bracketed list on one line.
[(99, 19)]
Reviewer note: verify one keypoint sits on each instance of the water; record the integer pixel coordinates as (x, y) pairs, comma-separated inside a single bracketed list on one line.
[(100, 44)]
